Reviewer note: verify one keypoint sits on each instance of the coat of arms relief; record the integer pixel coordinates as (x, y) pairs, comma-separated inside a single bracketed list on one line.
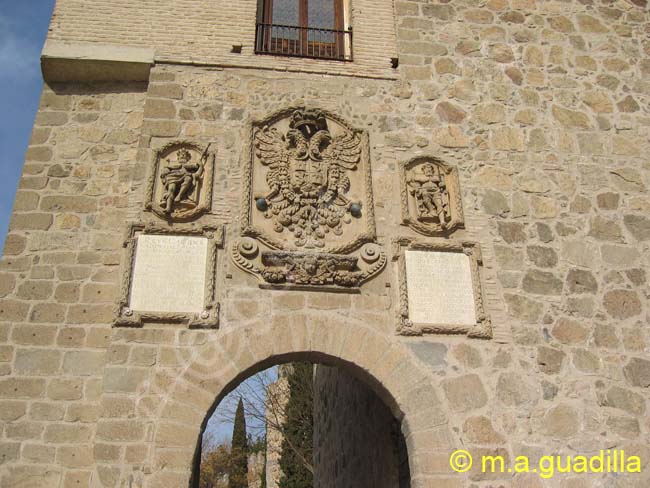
[(308, 203)]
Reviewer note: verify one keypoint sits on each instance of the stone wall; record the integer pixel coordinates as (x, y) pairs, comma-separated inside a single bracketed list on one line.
[(543, 108), (355, 442), (277, 395)]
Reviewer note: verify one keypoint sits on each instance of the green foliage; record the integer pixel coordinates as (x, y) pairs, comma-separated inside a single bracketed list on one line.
[(298, 428), (238, 474)]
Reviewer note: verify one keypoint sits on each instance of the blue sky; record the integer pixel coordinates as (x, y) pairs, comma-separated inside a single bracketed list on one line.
[(23, 27)]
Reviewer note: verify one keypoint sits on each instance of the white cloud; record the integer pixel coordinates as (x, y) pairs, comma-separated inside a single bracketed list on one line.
[(19, 56)]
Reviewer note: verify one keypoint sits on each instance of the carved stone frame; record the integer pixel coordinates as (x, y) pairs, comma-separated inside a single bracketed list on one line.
[(205, 200), (455, 200), (209, 317), (483, 327), (369, 234)]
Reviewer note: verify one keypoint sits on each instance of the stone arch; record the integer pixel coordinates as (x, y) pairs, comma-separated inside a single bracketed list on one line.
[(383, 362)]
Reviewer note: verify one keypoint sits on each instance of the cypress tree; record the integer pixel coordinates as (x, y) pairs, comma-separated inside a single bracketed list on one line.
[(238, 475), (298, 429)]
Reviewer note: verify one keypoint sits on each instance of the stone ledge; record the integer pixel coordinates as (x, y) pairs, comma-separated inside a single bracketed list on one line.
[(75, 61)]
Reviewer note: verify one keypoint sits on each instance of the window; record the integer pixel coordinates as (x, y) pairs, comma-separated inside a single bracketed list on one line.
[(307, 28)]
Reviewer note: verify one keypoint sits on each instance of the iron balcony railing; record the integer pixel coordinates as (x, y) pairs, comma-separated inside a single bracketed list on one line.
[(306, 42)]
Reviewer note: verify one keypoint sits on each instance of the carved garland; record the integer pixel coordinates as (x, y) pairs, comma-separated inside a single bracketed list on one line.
[(209, 317), (483, 327)]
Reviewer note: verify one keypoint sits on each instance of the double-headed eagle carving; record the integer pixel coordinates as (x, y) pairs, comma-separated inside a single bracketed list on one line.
[(308, 177)]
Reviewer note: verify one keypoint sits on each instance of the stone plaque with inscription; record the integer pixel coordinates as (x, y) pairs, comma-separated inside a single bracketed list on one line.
[(169, 274), (440, 288)]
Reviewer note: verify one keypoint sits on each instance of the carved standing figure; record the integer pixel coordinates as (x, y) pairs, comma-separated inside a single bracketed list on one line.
[(430, 192), (180, 178)]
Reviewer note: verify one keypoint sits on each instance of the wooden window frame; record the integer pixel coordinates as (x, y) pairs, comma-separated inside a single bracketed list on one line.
[(304, 47)]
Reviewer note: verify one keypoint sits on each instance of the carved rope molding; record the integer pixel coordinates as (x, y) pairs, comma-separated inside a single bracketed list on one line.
[(209, 317), (483, 327)]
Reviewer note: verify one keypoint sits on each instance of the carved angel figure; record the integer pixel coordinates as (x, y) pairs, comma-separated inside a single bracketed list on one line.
[(430, 192), (307, 177)]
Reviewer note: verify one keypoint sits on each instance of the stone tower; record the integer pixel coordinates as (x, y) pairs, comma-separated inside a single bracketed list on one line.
[(447, 199)]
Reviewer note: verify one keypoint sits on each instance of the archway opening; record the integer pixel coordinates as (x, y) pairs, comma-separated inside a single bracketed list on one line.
[(302, 425)]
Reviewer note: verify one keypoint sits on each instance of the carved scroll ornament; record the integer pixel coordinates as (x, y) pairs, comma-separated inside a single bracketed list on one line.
[(295, 269)]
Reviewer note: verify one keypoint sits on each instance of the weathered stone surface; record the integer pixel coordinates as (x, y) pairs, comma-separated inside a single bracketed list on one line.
[(571, 119), (35, 362), (605, 229), (490, 113), (448, 112), (524, 308), (637, 372), (542, 283), (450, 136), (447, 66), (479, 430), (624, 399), (590, 24), (627, 427), (502, 53), (31, 477), (508, 139), (570, 331), (628, 105), (513, 391), (465, 393), (544, 257), (561, 23), (622, 304), (550, 360), (638, 226), (82, 363), (495, 203), (432, 354), (562, 421), (69, 204), (581, 281), (586, 361), (512, 232)]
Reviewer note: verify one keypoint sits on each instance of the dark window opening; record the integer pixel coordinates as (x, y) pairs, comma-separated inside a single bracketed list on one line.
[(304, 28)]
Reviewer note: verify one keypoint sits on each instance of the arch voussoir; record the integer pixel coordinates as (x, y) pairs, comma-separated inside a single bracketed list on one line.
[(387, 365)]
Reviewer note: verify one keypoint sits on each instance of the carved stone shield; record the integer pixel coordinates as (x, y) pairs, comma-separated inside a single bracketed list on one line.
[(308, 183), (308, 220)]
